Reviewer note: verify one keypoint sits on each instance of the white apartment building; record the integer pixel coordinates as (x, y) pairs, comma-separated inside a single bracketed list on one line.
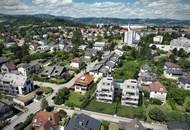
[(14, 84), (131, 37), (105, 90), (158, 39), (130, 93)]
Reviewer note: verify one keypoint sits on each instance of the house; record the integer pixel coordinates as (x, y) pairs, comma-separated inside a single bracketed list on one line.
[(158, 39), (99, 46), (118, 52), (6, 111), (175, 125), (3, 60), (46, 121), (158, 91), (89, 53), (180, 43), (105, 90), (8, 68), (83, 83), (83, 122), (76, 62), (184, 82), (172, 71), (58, 71), (130, 93), (54, 71), (14, 84), (146, 76), (29, 68), (133, 125), (48, 71)]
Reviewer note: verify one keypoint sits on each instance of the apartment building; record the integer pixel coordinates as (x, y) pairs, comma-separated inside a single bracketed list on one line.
[(130, 93), (14, 84), (105, 90)]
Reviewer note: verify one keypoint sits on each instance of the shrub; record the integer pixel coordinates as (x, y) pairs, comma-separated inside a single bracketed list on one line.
[(25, 123), (187, 108), (62, 113), (155, 101), (157, 114)]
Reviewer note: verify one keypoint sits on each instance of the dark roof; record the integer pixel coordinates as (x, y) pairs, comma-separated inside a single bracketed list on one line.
[(83, 122), (184, 79), (10, 66), (175, 71), (133, 125), (3, 60), (175, 125)]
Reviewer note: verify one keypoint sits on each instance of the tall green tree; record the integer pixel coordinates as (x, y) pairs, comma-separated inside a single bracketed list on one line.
[(44, 104)]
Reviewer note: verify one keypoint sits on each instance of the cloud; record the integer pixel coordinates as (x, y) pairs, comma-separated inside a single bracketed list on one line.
[(52, 1), (176, 9)]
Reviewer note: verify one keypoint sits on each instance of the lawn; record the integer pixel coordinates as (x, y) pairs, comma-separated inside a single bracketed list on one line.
[(131, 112), (128, 70), (75, 99), (101, 107)]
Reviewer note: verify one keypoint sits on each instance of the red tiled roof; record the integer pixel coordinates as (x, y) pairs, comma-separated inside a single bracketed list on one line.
[(157, 87), (86, 79), (46, 120)]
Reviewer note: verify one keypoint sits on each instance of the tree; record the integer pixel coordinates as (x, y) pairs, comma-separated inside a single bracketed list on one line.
[(62, 113), (44, 104), (61, 96), (1, 49), (157, 114), (188, 106), (177, 95)]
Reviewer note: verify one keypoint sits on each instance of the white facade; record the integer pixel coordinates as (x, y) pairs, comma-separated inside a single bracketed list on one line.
[(158, 95), (158, 39), (99, 46), (130, 93), (131, 37), (14, 84), (105, 90), (75, 65)]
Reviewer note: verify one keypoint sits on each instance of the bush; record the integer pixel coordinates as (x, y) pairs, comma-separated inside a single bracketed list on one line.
[(62, 96), (62, 113), (157, 114), (187, 108), (25, 123), (155, 101), (50, 108)]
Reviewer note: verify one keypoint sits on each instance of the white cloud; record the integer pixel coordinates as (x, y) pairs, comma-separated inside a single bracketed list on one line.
[(140, 9)]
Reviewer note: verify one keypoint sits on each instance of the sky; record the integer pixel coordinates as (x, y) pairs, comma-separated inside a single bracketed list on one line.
[(173, 9)]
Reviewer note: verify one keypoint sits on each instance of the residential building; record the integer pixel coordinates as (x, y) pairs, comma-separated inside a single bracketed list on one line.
[(76, 62), (99, 46), (83, 122), (158, 91), (14, 84), (105, 90), (46, 121), (130, 93), (184, 82), (175, 125), (29, 68), (158, 39), (133, 125), (3, 60), (54, 71), (131, 38), (6, 111), (146, 76), (89, 53), (8, 68), (83, 83), (172, 71), (180, 43)]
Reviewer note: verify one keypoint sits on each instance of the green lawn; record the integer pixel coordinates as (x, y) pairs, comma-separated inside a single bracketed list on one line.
[(128, 70), (75, 99), (131, 112), (101, 107)]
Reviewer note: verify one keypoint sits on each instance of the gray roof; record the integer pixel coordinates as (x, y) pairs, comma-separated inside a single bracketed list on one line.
[(184, 79), (110, 64), (175, 71), (91, 52), (174, 125), (104, 70), (57, 71), (133, 125), (83, 122), (48, 70), (3, 60)]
